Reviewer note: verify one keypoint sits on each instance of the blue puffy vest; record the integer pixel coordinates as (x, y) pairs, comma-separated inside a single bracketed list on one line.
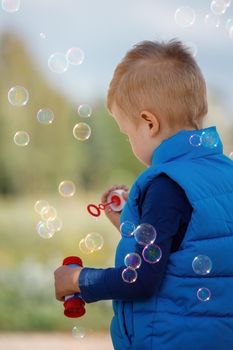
[(175, 319)]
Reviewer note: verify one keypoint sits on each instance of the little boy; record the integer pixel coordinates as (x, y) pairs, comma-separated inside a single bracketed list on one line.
[(158, 98)]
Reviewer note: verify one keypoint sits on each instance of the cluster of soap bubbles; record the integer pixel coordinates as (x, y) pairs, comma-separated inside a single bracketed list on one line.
[(82, 131), (144, 234), (208, 139), (91, 243), (78, 332), (11, 6), (59, 62), (50, 222), (202, 265)]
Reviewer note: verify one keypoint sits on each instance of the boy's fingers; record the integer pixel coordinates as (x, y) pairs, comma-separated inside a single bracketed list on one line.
[(113, 188)]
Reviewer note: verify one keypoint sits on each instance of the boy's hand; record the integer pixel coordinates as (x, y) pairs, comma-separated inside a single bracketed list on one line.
[(66, 281), (114, 216)]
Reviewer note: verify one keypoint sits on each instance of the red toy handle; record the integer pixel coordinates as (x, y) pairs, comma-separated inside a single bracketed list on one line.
[(74, 304)]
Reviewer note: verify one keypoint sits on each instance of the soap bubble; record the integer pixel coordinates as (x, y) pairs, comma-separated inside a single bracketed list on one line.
[(45, 116), (218, 7), (185, 16), (229, 24), (212, 21), (231, 155), (42, 35), (67, 188), (231, 32), (228, 3), (78, 332), (48, 213), (127, 228), (129, 275), (94, 241), (55, 224), (152, 253), (75, 56), (21, 138), (84, 111), (83, 247), (202, 265), (82, 131), (203, 294), (195, 140), (18, 96), (44, 231), (40, 205), (133, 260), (145, 234), (209, 139), (11, 5), (58, 63), (192, 48)]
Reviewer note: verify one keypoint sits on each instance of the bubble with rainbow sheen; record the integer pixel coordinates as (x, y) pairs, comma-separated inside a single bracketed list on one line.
[(75, 56), (40, 205), (185, 16), (133, 260), (82, 131), (44, 231), (58, 63), (202, 265), (45, 116), (21, 138), (218, 7), (48, 213), (145, 234), (203, 294), (55, 224), (129, 275), (78, 332), (212, 21), (152, 253), (127, 228), (18, 96), (85, 111), (11, 5), (94, 241), (67, 188), (209, 139), (195, 140)]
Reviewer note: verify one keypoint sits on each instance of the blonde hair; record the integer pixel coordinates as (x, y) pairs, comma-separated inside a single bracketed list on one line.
[(162, 78)]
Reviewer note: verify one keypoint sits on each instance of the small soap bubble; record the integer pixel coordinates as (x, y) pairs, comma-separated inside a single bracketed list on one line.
[(202, 265), (78, 332), (67, 188), (145, 234), (127, 228), (231, 155), (44, 231), (18, 96), (192, 48), (84, 111), (83, 247), (209, 139), (45, 116), (203, 294), (185, 16), (133, 260), (129, 275), (212, 21), (55, 224), (58, 63), (11, 5), (218, 7), (21, 138), (40, 205), (82, 131), (48, 213), (228, 3), (195, 140), (94, 241), (75, 56), (42, 35), (152, 253)]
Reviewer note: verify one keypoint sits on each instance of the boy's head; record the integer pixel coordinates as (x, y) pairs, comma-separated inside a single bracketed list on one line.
[(157, 90)]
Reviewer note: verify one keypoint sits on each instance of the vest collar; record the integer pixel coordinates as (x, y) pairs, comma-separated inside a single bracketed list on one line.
[(179, 146)]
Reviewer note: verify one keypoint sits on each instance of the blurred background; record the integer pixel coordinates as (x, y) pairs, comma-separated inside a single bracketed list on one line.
[(31, 32)]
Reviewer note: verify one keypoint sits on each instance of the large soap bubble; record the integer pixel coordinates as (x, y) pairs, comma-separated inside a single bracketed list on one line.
[(145, 234)]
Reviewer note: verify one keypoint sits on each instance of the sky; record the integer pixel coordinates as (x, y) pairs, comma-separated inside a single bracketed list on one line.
[(106, 29)]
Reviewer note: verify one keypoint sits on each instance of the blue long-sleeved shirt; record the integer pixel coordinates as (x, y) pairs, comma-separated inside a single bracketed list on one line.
[(165, 206)]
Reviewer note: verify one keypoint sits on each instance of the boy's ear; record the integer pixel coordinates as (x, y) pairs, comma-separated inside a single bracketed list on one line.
[(152, 122)]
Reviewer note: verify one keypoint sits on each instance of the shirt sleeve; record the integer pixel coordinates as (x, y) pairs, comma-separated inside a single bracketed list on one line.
[(165, 206)]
